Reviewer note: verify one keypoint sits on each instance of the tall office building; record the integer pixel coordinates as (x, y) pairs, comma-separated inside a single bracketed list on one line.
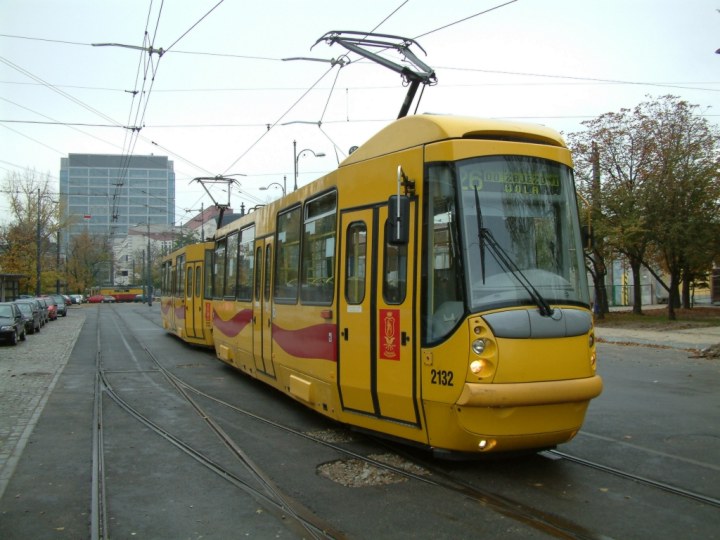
[(107, 194)]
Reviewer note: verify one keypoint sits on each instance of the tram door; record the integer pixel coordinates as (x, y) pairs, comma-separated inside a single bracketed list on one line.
[(262, 307), (193, 300), (376, 360), (355, 362)]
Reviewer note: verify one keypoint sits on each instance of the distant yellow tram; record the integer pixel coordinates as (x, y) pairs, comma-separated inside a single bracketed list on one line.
[(185, 303), (432, 289)]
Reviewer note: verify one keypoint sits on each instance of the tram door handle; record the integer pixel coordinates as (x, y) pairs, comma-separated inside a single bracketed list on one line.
[(346, 334), (404, 338)]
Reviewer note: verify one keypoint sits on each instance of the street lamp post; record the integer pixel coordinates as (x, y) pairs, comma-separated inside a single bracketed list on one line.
[(297, 155), (282, 187)]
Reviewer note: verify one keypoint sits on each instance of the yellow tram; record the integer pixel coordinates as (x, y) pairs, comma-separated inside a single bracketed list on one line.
[(185, 303), (431, 289)]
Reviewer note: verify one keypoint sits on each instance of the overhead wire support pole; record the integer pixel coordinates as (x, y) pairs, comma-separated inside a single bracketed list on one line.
[(218, 179), (359, 42)]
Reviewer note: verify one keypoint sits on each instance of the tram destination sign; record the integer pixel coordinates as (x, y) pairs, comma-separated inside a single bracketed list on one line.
[(510, 182)]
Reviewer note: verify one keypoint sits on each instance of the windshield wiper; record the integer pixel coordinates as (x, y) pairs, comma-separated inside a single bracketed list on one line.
[(506, 262)]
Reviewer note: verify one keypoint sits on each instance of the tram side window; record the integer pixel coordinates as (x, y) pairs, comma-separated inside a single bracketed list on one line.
[(167, 284), (208, 274), (394, 271), (287, 256), (164, 274), (180, 275), (318, 264), (231, 265), (198, 283), (443, 284), (219, 269), (245, 264), (258, 272), (356, 250), (268, 264), (189, 285)]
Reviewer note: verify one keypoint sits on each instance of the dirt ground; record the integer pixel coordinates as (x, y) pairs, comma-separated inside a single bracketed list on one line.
[(657, 319)]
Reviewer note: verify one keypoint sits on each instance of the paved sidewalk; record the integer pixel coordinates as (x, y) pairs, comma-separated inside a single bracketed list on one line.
[(28, 373), (688, 338)]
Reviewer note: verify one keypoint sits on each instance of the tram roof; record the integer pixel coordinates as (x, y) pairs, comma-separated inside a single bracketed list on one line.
[(421, 129)]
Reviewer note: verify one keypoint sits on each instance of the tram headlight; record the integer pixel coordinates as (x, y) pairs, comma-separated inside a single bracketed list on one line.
[(476, 366), (478, 346)]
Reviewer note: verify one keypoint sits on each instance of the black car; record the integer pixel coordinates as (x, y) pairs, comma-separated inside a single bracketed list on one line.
[(42, 310), (31, 315), (42, 304), (12, 326)]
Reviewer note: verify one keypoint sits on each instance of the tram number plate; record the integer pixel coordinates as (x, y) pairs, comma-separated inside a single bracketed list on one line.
[(441, 377)]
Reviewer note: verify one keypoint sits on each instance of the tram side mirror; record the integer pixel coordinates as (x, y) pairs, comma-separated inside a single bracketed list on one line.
[(398, 219), (588, 239)]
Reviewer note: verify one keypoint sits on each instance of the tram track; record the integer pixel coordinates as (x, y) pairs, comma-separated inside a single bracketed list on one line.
[(288, 510), (98, 507), (553, 454), (663, 486), (551, 525), (548, 524)]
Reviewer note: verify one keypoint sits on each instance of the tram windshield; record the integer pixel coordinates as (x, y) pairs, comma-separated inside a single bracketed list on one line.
[(502, 231)]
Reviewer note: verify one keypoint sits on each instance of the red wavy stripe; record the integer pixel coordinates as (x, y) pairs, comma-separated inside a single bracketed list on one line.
[(312, 342), (234, 326)]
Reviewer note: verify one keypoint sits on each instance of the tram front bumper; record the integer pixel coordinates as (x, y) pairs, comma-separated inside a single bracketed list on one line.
[(530, 393)]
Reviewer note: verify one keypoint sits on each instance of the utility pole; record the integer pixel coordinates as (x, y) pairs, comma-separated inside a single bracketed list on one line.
[(57, 264), (149, 273), (38, 268), (601, 297)]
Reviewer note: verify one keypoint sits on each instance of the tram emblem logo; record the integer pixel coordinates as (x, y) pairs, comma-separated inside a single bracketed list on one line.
[(389, 343)]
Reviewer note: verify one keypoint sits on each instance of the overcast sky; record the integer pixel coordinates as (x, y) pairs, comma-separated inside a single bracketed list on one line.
[(208, 101)]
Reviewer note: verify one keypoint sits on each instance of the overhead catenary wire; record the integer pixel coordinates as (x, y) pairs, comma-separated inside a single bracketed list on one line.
[(323, 116), (465, 19), (277, 121)]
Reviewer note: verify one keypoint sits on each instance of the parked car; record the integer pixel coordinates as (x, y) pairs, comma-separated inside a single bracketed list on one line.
[(107, 299), (95, 298), (68, 300), (31, 315), (77, 298), (12, 326), (42, 304), (61, 305)]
